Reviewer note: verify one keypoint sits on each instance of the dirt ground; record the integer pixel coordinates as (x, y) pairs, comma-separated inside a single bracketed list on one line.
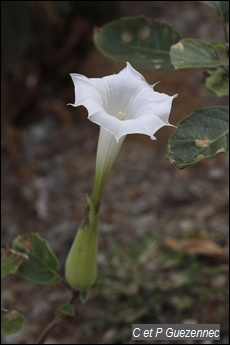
[(163, 232)]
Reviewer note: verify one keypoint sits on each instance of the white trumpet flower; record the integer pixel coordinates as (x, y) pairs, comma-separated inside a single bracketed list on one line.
[(120, 104)]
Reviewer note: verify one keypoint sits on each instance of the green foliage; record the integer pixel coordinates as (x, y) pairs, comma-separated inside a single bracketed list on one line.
[(11, 261), (221, 8), (16, 31), (192, 53), (201, 135), (17, 27), (66, 309), (220, 45), (11, 321), (144, 43), (154, 45), (84, 296), (42, 265), (218, 82)]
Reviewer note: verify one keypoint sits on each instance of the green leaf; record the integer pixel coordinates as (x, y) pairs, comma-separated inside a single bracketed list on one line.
[(42, 265), (221, 8), (16, 24), (84, 296), (66, 309), (218, 82), (11, 321), (11, 261), (201, 135), (142, 42), (192, 53), (220, 45)]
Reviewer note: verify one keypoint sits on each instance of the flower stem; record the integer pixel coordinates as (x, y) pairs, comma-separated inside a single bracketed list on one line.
[(58, 319)]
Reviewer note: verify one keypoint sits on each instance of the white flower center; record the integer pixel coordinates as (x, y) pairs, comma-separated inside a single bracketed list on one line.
[(121, 116)]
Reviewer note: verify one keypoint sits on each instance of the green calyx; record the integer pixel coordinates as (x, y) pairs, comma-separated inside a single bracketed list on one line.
[(81, 263)]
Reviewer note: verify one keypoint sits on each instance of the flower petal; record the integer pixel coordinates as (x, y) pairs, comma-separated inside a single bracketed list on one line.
[(110, 123), (143, 110), (148, 125)]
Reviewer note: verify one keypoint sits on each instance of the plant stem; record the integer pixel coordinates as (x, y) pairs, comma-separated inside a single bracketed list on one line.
[(225, 33), (58, 319), (226, 36)]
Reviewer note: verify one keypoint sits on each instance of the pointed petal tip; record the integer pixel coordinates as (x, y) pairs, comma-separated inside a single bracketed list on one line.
[(152, 85), (152, 137)]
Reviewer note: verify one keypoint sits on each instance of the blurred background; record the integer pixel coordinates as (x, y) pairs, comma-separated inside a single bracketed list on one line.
[(163, 232)]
